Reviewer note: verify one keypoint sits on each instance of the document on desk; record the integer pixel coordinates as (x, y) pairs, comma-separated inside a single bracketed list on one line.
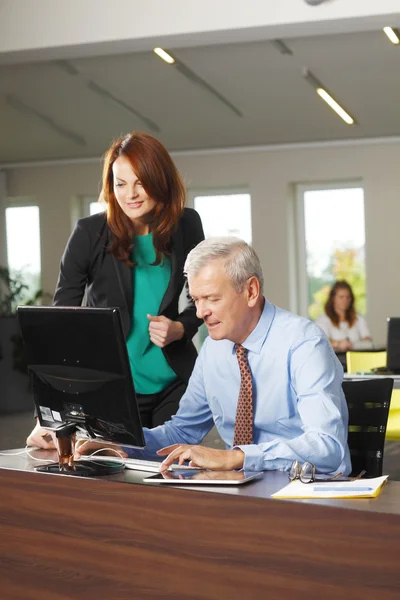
[(360, 488)]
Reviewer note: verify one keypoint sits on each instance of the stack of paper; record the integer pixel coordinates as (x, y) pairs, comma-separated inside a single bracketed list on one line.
[(360, 488)]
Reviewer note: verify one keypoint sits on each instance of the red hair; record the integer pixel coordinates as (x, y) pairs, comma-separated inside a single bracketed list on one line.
[(161, 181)]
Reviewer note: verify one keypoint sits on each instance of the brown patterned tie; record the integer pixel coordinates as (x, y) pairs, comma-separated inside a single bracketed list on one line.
[(244, 413)]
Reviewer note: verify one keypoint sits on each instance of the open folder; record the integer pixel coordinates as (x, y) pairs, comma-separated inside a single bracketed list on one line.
[(360, 488)]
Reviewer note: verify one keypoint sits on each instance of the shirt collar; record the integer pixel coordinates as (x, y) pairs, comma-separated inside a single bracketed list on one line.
[(254, 342)]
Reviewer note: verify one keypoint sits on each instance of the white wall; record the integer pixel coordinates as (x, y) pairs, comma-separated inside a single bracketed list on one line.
[(269, 175), (3, 196), (99, 26)]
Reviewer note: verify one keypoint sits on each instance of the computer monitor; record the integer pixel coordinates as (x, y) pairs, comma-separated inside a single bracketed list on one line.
[(81, 380), (393, 344)]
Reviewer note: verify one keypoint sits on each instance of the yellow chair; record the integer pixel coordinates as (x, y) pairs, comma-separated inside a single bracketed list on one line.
[(393, 424), (362, 362)]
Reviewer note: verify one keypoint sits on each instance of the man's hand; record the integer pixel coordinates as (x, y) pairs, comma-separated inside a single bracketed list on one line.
[(163, 331), (83, 447), (38, 438), (200, 456)]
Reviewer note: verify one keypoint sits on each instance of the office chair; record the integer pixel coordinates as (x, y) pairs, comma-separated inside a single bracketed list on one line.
[(362, 362), (368, 402)]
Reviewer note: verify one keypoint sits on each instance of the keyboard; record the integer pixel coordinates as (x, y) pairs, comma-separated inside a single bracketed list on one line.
[(149, 466), (385, 371), (138, 464), (153, 466)]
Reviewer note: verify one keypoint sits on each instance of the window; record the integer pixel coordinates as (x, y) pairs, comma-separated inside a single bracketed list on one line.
[(91, 206), (84, 206), (96, 207), (224, 213), (23, 245), (331, 244)]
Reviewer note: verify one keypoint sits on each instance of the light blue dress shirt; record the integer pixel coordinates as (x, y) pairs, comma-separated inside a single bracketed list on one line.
[(300, 412)]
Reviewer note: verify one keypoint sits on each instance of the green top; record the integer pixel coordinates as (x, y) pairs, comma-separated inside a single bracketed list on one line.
[(150, 370)]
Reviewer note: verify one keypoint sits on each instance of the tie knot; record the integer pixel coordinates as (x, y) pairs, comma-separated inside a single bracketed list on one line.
[(241, 351)]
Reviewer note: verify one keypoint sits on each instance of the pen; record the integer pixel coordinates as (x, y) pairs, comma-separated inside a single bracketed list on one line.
[(327, 488)]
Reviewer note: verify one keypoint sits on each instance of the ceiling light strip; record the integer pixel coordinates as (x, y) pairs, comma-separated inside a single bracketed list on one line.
[(281, 47), (192, 76), (335, 106), (69, 68), (20, 106), (109, 96), (66, 66), (328, 98), (163, 54), (182, 68), (393, 35)]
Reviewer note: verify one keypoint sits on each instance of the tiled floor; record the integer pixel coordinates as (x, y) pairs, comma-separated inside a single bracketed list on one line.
[(14, 429)]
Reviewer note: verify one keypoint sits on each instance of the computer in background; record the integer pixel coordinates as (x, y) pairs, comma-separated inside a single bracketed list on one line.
[(81, 381), (393, 345), (392, 349)]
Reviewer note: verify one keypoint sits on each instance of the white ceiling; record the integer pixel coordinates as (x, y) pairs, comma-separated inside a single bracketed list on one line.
[(362, 71)]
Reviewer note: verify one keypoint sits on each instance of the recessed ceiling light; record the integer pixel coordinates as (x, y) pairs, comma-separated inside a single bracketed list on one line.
[(328, 98), (164, 55), (335, 106), (393, 35)]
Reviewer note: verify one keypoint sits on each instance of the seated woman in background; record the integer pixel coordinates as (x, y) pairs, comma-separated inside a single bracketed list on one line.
[(345, 329), (132, 256)]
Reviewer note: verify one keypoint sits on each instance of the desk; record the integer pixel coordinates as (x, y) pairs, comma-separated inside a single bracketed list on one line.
[(65, 537)]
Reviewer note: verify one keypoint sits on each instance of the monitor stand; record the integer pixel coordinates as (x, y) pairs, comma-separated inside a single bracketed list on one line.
[(67, 466)]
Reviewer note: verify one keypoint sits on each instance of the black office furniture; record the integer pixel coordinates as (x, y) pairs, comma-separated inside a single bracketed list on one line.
[(368, 402)]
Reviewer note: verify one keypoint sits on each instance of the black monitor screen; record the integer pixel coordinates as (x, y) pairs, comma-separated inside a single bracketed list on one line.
[(80, 371), (393, 344)]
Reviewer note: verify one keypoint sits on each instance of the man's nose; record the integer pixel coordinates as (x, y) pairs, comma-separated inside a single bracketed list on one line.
[(202, 311)]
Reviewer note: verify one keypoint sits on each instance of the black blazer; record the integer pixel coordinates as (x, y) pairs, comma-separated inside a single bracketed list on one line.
[(87, 265)]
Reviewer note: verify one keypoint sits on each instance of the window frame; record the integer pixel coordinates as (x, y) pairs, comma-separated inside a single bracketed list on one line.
[(80, 207), (21, 202), (299, 299)]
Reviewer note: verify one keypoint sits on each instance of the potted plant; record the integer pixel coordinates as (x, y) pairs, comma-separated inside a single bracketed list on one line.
[(15, 395)]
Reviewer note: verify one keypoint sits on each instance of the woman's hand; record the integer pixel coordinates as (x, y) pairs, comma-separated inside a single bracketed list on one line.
[(163, 331), (41, 438), (342, 345)]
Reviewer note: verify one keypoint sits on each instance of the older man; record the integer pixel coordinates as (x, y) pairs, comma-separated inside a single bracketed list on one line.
[(267, 378)]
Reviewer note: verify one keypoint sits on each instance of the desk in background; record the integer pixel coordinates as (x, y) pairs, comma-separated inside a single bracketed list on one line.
[(117, 538)]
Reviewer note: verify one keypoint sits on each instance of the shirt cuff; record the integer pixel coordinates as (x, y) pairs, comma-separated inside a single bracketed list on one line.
[(253, 457)]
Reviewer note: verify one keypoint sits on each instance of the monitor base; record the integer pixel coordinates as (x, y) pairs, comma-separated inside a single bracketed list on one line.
[(89, 469)]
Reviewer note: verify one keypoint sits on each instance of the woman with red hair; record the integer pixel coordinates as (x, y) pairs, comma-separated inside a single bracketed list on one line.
[(132, 256), (346, 329)]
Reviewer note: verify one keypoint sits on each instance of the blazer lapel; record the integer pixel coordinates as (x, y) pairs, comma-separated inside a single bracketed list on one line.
[(125, 280), (177, 256)]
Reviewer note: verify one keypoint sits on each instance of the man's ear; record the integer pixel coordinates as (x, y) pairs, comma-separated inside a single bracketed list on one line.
[(253, 291)]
